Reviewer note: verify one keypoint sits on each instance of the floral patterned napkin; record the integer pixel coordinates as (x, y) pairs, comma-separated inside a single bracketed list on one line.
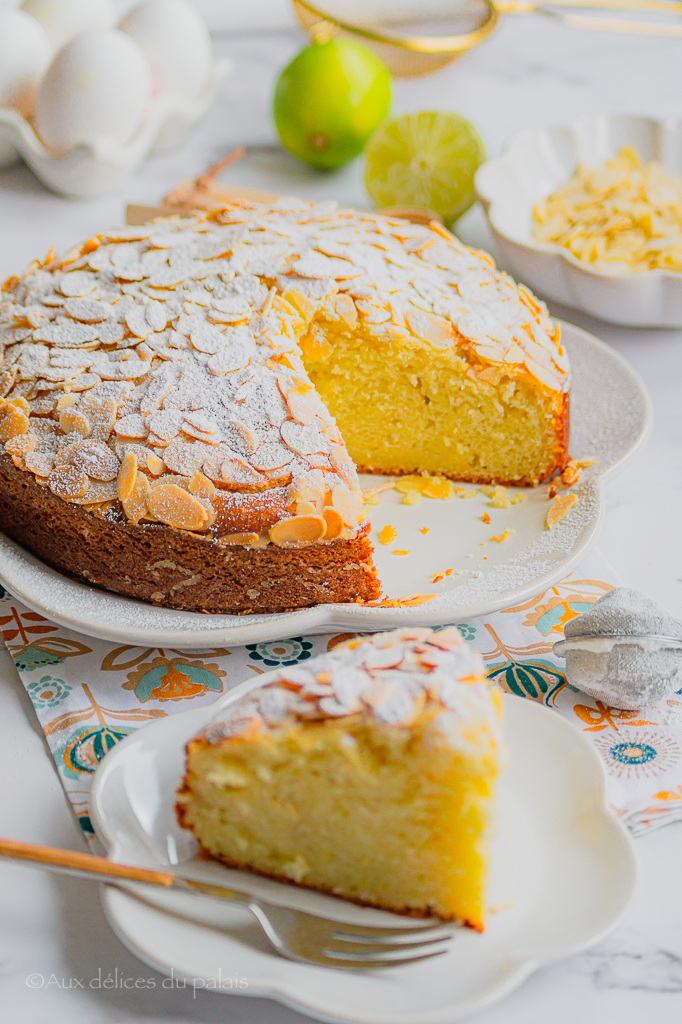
[(89, 694)]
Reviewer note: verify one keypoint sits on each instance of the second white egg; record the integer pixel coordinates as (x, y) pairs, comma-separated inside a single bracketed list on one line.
[(64, 19), (97, 87), (176, 42)]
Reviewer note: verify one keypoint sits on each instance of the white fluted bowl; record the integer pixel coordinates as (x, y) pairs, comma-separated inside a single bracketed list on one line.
[(534, 164)]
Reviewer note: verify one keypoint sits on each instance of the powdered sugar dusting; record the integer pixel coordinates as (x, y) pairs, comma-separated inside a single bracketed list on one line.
[(197, 323), (393, 678)]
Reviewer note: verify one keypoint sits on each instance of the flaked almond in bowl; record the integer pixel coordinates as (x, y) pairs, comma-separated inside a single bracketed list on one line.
[(588, 215)]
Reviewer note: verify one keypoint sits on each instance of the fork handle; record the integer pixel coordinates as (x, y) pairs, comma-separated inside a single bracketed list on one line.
[(71, 862)]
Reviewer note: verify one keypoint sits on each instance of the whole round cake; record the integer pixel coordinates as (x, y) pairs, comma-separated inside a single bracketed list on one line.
[(185, 403)]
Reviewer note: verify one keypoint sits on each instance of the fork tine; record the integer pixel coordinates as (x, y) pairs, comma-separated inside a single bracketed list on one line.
[(387, 958), (375, 932), (413, 938)]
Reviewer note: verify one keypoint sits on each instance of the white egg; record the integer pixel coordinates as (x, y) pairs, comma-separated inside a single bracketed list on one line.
[(24, 55), (97, 87), (64, 19), (177, 45)]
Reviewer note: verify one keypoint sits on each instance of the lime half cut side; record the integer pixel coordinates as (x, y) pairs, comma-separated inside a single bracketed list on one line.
[(427, 159)]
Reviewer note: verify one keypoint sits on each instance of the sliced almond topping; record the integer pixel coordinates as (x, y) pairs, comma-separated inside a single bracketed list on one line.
[(88, 311), (155, 465), (305, 508), (347, 503), (334, 523), (135, 505), (13, 421), (68, 482), (77, 283), (20, 402), (127, 476), (40, 463), (21, 445), (131, 426), (102, 417), (65, 402), (345, 307), (305, 306), (562, 505), (437, 331), (98, 492), (233, 539), (95, 459), (177, 508), (73, 421), (201, 486), (298, 531), (184, 457), (7, 379), (303, 403), (233, 472)]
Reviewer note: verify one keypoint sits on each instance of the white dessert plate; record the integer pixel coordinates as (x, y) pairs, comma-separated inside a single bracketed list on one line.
[(538, 161), (563, 873), (610, 419)]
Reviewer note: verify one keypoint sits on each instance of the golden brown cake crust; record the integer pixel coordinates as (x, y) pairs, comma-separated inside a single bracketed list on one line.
[(178, 569)]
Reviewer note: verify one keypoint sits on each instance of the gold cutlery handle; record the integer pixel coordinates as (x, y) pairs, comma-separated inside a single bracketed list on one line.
[(528, 6), (82, 863)]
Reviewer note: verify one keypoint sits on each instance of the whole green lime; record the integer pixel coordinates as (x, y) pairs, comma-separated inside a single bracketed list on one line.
[(329, 100)]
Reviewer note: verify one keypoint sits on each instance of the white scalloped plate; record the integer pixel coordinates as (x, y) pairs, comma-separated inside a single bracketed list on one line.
[(563, 874), (610, 419), (539, 160)]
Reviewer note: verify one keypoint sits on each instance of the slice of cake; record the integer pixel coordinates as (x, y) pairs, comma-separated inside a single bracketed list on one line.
[(368, 773)]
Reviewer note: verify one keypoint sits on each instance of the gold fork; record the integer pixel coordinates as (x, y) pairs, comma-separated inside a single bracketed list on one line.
[(296, 934)]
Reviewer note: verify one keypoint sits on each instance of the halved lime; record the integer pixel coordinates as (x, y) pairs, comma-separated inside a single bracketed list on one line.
[(427, 159), (329, 100)]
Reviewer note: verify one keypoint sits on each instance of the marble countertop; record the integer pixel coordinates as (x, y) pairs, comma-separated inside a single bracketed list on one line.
[(531, 72)]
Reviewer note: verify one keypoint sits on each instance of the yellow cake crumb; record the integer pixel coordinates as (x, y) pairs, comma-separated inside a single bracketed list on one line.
[(429, 486), (401, 551), (425, 529), (500, 498), (388, 535)]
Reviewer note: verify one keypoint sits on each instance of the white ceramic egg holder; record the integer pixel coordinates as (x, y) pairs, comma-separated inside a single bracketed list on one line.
[(90, 170)]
